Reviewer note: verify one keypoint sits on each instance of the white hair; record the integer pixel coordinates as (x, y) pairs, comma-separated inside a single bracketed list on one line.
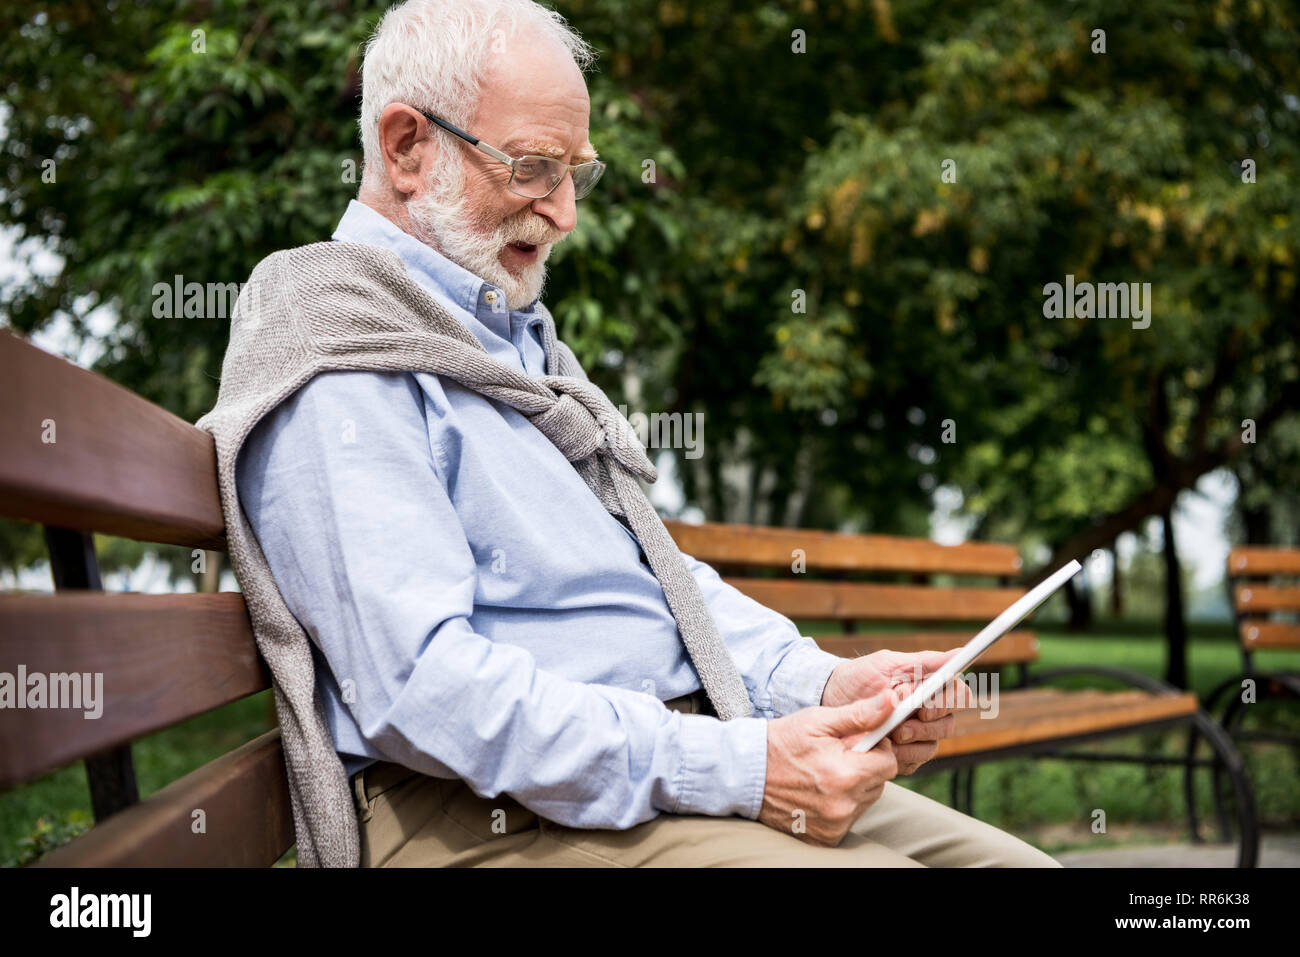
[(433, 54)]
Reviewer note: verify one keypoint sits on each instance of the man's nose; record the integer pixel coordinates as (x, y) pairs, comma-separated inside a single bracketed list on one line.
[(561, 208)]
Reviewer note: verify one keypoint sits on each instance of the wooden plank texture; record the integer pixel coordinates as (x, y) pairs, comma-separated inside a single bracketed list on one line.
[(163, 658), (1253, 599), (1262, 560), (118, 463), (760, 546), (1030, 716), (1013, 647), (1269, 634), (867, 601), (247, 821)]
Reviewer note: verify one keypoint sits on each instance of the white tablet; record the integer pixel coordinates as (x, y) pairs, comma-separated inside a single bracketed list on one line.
[(994, 630)]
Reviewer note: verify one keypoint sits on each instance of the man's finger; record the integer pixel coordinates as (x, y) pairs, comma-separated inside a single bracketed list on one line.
[(851, 741), (907, 663), (861, 715), (914, 729), (912, 756), (955, 696)]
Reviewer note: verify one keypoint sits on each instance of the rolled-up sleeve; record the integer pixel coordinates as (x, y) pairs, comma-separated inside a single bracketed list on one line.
[(783, 670), (342, 488)]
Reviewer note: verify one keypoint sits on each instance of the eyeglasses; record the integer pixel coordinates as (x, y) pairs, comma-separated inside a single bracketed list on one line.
[(532, 176)]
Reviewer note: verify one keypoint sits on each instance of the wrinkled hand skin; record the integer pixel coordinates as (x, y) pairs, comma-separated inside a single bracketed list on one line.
[(894, 675), (816, 785)]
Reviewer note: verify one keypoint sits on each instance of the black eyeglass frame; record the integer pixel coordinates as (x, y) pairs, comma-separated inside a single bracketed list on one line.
[(510, 161)]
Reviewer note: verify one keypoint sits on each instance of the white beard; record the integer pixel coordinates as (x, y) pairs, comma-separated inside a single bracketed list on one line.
[(442, 217)]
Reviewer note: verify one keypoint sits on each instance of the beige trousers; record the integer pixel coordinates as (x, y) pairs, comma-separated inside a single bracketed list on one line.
[(408, 819)]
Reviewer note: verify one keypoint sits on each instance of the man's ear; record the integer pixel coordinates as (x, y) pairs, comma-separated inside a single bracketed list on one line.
[(405, 146)]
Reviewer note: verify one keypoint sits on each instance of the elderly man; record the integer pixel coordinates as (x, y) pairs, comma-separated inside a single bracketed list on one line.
[(513, 666)]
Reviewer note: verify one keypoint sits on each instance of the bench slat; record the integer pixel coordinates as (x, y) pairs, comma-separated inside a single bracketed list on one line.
[(244, 796), (1269, 634), (1252, 599), (1019, 705), (761, 546), (1014, 647), (869, 601), (119, 464), (1030, 717), (1263, 560), (164, 658)]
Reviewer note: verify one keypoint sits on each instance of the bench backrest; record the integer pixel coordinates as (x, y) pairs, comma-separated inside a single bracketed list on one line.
[(1265, 583), (79, 454), (815, 575)]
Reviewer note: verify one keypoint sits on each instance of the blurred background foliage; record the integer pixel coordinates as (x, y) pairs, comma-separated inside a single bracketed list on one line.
[(799, 268)]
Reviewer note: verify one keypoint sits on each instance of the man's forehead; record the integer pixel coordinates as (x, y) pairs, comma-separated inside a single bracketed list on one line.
[(536, 99)]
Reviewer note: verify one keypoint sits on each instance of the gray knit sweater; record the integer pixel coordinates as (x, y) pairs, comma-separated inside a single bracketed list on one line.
[(336, 306)]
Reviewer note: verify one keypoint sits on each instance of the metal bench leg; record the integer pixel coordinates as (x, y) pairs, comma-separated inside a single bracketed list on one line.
[(1189, 783), (1228, 762), (1189, 769), (1231, 724)]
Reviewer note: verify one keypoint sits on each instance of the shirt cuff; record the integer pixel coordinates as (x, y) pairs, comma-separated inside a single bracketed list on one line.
[(723, 767), (800, 678)]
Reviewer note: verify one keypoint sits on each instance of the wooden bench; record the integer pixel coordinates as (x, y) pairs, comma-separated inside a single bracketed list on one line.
[(122, 466), (1265, 588), (834, 577), (79, 454)]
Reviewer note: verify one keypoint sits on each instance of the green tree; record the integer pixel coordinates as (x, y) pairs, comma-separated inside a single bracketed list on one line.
[(826, 226), (1124, 166)]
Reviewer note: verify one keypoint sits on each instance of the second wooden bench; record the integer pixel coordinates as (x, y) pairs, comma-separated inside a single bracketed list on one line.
[(816, 575)]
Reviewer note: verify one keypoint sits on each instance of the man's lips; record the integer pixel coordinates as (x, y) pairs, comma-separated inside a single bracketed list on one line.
[(524, 252)]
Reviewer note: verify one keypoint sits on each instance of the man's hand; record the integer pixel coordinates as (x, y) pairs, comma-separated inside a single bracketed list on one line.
[(816, 786), (894, 675)]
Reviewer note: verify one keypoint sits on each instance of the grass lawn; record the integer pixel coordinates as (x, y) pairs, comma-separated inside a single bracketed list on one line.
[(1049, 802)]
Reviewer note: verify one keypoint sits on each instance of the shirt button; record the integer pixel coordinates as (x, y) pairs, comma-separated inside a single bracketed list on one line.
[(490, 296)]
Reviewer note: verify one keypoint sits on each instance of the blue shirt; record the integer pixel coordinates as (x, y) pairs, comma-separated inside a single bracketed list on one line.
[(476, 612)]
